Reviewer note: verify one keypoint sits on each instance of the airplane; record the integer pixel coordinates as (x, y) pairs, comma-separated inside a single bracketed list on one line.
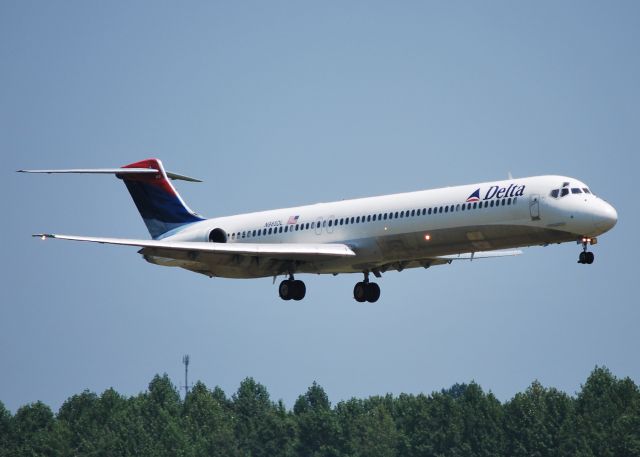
[(363, 235)]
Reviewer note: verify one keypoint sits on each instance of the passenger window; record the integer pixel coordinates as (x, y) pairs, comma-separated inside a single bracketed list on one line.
[(396, 215), (352, 219), (429, 211), (446, 209), (413, 212), (515, 199), (369, 218), (475, 205), (457, 207)]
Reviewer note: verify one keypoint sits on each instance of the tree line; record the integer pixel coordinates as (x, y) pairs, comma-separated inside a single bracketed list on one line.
[(602, 419)]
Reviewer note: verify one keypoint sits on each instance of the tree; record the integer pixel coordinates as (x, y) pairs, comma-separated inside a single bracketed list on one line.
[(5, 431), (317, 425), (158, 412), (606, 411), (32, 430), (262, 428), (482, 421), (533, 421), (208, 424), (366, 428)]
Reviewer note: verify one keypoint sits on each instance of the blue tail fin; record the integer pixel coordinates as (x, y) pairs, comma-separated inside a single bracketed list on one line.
[(159, 204)]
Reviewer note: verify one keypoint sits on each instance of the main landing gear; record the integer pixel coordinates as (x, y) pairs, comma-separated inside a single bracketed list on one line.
[(366, 291), (292, 289), (587, 257)]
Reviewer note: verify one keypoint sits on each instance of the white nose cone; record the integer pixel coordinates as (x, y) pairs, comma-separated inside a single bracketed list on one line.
[(605, 216)]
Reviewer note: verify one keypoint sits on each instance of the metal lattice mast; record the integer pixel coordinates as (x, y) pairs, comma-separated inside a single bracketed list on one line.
[(185, 360)]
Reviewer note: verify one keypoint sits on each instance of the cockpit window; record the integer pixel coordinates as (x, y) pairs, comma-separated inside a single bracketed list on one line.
[(586, 191), (554, 193), (575, 190), (564, 192)]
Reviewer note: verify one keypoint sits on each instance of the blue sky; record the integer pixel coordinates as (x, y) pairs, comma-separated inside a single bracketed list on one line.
[(276, 104)]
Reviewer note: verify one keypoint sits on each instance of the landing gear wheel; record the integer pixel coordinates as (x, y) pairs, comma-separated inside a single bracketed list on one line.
[(589, 258), (284, 290), (582, 258), (360, 292), (299, 290), (372, 292), (291, 289)]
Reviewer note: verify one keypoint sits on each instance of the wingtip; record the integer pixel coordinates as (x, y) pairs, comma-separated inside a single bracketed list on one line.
[(43, 236)]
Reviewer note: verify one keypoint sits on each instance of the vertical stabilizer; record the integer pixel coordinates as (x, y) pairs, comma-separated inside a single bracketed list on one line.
[(158, 202)]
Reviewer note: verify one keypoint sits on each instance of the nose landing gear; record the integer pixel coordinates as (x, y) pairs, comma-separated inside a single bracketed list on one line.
[(366, 291), (587, 257)]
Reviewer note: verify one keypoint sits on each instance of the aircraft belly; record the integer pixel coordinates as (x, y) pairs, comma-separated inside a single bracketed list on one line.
[(406, 250)]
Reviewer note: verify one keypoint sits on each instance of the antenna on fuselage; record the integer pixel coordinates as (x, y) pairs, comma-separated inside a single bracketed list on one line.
[(509, 174)]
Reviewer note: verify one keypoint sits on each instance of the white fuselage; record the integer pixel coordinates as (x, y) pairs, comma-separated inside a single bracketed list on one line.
[(410, 229)]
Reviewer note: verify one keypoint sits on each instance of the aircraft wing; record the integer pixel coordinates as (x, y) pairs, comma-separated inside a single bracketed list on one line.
[(440, 260), (290, 251)]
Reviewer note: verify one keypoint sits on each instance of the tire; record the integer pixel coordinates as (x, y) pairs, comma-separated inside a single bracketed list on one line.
[(285, 289), (590, 257), (360, 292), (372, 292), (299, 290), (582, 258)]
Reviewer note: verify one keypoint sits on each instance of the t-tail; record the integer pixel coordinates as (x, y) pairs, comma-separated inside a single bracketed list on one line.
[(158, 202)]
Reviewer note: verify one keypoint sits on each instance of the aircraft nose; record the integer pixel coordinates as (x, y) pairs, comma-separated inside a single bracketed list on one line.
[(605, 216)]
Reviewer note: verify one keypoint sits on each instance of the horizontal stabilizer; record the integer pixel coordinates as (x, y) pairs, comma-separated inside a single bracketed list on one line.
[(114, 171)]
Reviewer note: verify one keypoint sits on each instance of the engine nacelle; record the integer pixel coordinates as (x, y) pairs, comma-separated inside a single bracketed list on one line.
[(217, 235)]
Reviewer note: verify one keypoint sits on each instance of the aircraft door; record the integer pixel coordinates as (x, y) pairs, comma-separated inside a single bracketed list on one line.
[(534, 207)]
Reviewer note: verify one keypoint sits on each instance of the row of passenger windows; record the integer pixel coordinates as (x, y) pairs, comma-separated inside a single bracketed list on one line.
[(373, 218)]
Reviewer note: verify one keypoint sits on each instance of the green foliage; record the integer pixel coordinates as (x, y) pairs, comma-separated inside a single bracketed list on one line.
[(262, 427), (317, 424), (603, 419), (533, 421), (5, 431)]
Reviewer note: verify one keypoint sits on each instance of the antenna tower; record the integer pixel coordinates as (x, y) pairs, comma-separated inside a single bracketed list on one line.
[(185, 361)]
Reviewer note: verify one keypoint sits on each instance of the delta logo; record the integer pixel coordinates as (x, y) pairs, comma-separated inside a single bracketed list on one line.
[(474, 197), (512, 190)]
